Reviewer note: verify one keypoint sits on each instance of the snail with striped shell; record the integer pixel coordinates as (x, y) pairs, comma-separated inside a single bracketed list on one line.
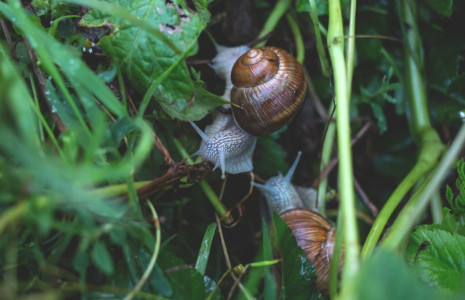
[(313, 233), (267, 88)]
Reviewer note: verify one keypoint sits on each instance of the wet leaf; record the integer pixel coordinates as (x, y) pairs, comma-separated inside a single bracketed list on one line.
[(145, 57), (298, 275), (102, 258), (390, 278)]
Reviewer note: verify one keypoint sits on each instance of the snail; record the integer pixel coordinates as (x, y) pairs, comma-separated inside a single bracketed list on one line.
[(268, 89), (273, 81), (223, 142), (226, 145), (313, 233)]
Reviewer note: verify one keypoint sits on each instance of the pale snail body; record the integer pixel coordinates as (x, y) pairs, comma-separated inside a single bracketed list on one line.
[(226, 145), (313, 233)]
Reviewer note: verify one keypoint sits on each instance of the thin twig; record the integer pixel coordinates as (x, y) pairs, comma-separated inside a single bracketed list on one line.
[(223, 245), (7, 34), (239, 204), (335, 160), (175, 172), (363, 196), (41, 78), (236, 283), (131, 103)]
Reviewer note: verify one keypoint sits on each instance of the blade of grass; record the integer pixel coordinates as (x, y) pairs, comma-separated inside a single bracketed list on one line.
[(276, 14), (299, 43), (204, 252), (319, 41)]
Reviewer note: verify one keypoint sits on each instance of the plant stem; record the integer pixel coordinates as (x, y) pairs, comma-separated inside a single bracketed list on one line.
[(325, 158), (436, 208), (319, 41), (418, 202), (335, 41), (351, 47), (211, 195), (425, 136), (154, 257), (276, 14), (299, 43)]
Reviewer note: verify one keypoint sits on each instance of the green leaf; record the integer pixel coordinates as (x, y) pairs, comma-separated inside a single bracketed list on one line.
[(442, 7), (272, 158), (204, 252), (386, 276), (458, 204), (380, 117), (298, 275), (145, 57), (187, 282), (203, 102), (439, 257), (256, 275), (102, 258)]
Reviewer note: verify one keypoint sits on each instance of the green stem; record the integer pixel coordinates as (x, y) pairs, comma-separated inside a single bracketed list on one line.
[(325, 158), (425, 162), (426, 137), (335, 261), (299, 42), (276, 14), (319, 41), (154, 257), (436, 208), (417, 204), (351, 47), (211, 195), (336, 51), (413, 77)]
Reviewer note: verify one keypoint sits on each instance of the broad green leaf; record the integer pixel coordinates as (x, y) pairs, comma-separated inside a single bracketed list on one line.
[(385, 276), (187, 282), (272, 158), (438, 252), (102, 258), (204, 252), (439, 256), (298, 276), (145, 57)]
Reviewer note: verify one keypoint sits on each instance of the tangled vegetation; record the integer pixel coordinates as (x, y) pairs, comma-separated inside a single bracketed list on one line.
[(99, 194)]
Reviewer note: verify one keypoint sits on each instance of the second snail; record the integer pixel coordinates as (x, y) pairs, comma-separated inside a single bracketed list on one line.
[(266, 87)]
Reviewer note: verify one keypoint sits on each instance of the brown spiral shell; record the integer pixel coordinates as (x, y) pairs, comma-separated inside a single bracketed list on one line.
[(316, 237), (269, 89)]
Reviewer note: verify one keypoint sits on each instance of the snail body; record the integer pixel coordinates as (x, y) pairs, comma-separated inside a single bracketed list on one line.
[(268, 89), (226, 145), (313, 233), (264, 97)]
